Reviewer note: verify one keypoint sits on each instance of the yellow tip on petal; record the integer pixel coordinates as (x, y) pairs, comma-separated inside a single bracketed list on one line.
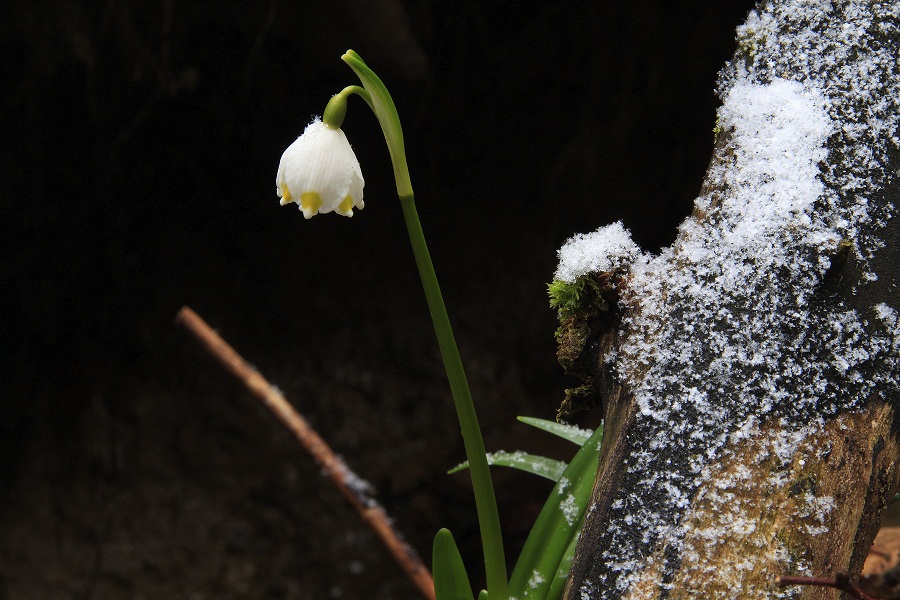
[(310, 203), (346, 207), (285, 195)]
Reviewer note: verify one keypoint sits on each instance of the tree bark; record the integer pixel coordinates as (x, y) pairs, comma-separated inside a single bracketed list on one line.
[(750, 373)]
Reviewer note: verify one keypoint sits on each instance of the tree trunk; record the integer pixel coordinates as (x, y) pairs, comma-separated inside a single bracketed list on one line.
[(749, 373)]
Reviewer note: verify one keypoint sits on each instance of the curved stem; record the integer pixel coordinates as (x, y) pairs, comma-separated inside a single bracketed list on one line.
[(485, 500), (383, 106), (336, 109)]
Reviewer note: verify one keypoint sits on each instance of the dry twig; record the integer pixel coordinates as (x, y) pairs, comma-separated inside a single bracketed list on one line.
[(348, 483), (840, 582)]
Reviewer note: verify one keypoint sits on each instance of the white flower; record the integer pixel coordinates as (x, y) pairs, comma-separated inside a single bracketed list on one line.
[(319, 171)]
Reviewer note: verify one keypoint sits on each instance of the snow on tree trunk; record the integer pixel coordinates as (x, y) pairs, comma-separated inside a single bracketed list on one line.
[(750, 373)]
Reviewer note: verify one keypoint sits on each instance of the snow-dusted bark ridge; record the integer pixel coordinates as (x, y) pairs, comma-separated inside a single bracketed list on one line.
[(758, 356)]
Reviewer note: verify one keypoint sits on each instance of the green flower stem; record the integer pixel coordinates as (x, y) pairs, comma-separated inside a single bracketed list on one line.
[(336, 109), (485, 501), (381, 103)]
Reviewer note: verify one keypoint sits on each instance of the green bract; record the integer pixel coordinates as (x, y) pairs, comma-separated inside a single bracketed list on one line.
[(384, 109)]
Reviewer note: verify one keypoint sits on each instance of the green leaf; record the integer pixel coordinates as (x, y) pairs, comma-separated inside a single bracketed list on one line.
[(530, 463), (558, 585), (576, 435), (557, 525), (451, 582)]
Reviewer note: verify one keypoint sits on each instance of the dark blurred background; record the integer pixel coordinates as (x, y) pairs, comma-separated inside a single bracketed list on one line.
[(140, 140)]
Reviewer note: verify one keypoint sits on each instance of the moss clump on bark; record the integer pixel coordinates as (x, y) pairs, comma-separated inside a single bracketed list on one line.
[(584, 307)]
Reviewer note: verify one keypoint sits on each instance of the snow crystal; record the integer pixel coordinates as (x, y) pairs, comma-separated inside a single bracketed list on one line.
[(536, 580), (570, 509), (886, 314), (606, 249), (732, 329)]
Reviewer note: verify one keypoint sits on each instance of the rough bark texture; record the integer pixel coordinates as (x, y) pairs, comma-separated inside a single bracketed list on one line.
[(751, 379)]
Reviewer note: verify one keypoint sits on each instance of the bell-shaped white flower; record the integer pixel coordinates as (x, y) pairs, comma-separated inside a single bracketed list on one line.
[(319, 172)]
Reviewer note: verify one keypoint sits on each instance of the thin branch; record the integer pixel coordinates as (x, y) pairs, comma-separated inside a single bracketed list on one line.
[(352, 487), (840, 582)]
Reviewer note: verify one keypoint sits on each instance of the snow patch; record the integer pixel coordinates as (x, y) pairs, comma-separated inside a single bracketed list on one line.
[(536, 580), (779, 132), (570, 509), (606, 249)]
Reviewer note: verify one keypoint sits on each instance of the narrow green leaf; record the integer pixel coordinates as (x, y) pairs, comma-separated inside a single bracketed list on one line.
[(556, 525), (451, 582), (530, 463), (576, 435), (558, 585)]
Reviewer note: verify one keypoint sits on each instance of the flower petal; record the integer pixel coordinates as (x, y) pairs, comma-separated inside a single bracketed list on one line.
[(321, 170)]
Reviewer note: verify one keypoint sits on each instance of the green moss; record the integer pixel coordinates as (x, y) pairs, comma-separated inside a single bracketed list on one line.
[(577, 399), (582, 307), (569, 299), (571, 339)]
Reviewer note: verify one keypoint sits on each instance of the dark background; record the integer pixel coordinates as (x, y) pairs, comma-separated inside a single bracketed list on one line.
[(140, 141)]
